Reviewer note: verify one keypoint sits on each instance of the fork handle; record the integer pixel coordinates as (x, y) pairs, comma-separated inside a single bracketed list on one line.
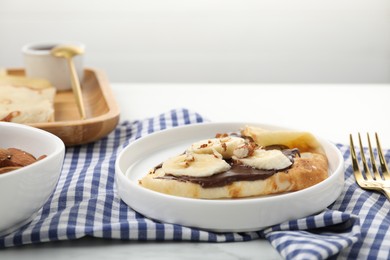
[(386, 192)]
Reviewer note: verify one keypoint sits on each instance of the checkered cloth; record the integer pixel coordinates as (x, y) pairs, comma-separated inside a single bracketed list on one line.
[(85, 202)]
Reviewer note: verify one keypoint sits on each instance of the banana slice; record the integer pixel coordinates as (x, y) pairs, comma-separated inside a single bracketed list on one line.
[(266, 160), (224, 145), (196, 165)]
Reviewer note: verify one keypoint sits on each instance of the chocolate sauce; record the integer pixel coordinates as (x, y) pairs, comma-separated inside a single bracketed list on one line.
[(237, 172)]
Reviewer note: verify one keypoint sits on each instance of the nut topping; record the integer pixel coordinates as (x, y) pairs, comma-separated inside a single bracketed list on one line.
[(245, 150)]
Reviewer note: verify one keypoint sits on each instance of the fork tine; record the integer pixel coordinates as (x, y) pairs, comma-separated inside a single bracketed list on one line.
[(355, 165), (377, 176), (353, 152), (385, 170), (365, 178), (367, 172)]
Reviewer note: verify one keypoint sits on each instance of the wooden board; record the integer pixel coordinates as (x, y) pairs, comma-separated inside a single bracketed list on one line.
[(101, 109)]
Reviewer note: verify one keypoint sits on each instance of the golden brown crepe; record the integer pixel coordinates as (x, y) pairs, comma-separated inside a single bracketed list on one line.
[(258, 166), (304, 141)]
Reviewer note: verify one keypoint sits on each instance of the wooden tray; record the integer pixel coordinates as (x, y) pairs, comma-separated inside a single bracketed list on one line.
[(100, 106)]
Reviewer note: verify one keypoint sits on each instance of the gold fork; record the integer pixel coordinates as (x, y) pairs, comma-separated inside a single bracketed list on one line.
[(367, 179)]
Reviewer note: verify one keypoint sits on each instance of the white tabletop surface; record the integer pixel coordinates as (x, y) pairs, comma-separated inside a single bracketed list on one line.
[(329, 111)]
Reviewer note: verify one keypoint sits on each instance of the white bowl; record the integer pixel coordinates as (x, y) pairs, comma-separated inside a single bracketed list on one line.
[(24, 191), (229, 215)]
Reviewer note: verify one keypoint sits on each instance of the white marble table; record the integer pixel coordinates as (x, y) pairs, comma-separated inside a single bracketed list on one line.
[(330, 111)]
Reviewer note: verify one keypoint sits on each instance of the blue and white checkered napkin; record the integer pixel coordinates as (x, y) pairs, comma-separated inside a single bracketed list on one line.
[(85, 203)]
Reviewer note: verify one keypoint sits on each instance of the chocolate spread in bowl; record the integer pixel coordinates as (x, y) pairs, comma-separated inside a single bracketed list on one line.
[(237, 172)]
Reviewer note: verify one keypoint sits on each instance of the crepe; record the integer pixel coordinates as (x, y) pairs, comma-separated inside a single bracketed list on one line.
[(260, 162), (305, 172), (21, 104), (304, 141)]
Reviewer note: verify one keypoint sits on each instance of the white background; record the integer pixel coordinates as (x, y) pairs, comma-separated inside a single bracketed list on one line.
[(257, 41)]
